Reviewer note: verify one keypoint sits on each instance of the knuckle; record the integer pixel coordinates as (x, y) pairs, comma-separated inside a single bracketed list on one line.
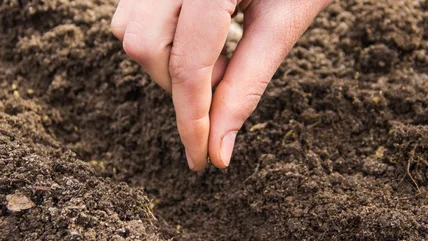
[(255, 92), (131, 48), (248, 106), (244, 106), (134, 48), (134, 43), (117, 28), (227, 5), (177, 65), (241, 110), (117, 32), (230, 6), (194, 129), (181, 72), (196, 123), (252, 99), (184, 69), (253, 96)]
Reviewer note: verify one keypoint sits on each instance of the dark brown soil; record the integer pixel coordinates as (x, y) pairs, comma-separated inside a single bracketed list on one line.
[(336, 150)]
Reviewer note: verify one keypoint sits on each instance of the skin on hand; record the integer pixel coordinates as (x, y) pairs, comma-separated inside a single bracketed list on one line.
[(179, 43)]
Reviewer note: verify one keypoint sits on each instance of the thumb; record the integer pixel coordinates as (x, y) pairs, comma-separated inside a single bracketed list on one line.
[(271, 29)]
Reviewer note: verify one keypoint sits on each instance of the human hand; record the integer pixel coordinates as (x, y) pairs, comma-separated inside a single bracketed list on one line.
[(179, 43)]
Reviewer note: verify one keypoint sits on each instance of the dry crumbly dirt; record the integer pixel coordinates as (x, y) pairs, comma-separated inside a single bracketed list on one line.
[(336, 150)]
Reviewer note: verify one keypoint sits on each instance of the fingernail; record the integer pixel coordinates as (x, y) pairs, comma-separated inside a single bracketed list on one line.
[(190, 161), (227, 145)]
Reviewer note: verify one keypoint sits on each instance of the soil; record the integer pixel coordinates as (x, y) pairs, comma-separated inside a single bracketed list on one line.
[(336, 150)]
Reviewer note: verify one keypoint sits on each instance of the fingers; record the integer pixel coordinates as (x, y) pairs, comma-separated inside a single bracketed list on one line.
[(219, 70), (121, 17), (271, 29), (149, 35), (200, 36), (147, 29)]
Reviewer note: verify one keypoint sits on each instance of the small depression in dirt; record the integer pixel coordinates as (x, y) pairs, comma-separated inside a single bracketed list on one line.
[(336, 150)]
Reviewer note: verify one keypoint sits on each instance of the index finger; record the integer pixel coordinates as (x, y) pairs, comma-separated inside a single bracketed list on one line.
[(201, 33)]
